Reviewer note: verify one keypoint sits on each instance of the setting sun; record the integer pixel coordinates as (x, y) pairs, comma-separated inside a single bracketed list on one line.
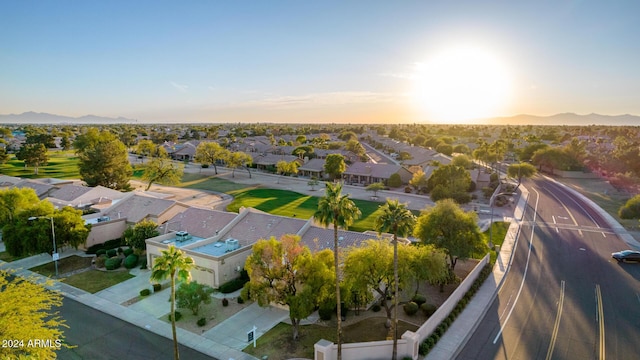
[(460, 84)]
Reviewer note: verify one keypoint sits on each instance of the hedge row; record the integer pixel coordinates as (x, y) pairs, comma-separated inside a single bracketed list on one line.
[(431, 341), (107, 245)]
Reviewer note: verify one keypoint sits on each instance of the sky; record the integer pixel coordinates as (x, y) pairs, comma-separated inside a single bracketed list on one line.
[(319, 61)]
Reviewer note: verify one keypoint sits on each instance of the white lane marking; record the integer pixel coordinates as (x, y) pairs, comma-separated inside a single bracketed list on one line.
[(526, 268)]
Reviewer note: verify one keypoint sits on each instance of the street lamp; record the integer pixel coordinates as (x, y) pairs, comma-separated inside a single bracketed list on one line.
[(55, 254)]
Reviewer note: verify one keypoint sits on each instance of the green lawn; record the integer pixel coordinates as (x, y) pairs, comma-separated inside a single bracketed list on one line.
[(62, 165), (499, 229), (4, 256), (211, 183), (95, 280), (290, 203)]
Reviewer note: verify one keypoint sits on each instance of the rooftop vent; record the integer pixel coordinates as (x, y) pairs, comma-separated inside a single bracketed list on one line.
[(232, 244), (182, 236)]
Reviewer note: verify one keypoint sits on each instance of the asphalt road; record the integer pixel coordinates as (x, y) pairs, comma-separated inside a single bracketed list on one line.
[(99, 336), (564, 297)]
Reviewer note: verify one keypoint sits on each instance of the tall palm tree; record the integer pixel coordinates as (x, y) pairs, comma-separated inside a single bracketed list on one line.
[(337, 210), (398, 220), (172, 264)]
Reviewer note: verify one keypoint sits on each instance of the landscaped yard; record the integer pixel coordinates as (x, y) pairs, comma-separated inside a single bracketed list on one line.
[(96, 280), (65, 266)]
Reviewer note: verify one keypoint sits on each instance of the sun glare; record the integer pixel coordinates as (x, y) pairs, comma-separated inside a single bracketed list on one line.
[(461, 84)]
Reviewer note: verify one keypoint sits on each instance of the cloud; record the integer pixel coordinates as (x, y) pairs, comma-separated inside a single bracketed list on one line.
[(179, 87), (318, 100)]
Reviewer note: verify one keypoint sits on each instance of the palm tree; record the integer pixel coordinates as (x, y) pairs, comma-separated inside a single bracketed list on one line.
[(172, 264), (398, 220), (337, 210)]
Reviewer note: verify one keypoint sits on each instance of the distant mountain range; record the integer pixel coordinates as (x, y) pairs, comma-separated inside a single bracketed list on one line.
[(523, 119), (567, 119), (44, 118)]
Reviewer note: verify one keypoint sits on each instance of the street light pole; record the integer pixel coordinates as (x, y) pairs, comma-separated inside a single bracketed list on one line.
[(53, 235)]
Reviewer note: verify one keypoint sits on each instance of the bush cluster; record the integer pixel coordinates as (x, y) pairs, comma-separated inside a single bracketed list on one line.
[(157, 287), (107, 245), (128, 251), (233, 285), (112, 263), (419, 299), (431, 341), (411, 308), (143, 263), (225, 302), (145, 292), (376, 308), (131, 261), (201, 322), (111, 253)]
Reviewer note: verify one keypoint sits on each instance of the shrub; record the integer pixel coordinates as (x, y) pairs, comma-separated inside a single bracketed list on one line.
[(143, 263), (120, 251), (325, 312), (131, 261), (100, 260), (225, 302), (631, 209), (428, 309), (100, 252), (407, 189), (419, 299), (128, 251), (411, 308), (425, 346), (233, 285), (240, 300), (376, 308), (394, 180), (201, 322), (157, 287), (113, 263), (178, 316), (145, 292), (111, 253)]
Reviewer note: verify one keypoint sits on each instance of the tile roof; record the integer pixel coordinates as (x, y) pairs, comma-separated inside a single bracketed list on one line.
[(313, 165), (253, 225), (198, 222), (41, 189), (136, 207), (382, 171), (317, 238)]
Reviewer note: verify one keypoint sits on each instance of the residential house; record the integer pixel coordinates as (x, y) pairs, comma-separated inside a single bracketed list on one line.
[(360, 173), (313, 168)]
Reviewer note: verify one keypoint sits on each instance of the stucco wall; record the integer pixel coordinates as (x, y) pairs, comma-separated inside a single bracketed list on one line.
[(104, 231)]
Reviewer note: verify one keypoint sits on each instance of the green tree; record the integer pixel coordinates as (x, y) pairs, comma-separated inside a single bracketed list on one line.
[(4, 157), (103, 160), (394, 180), (631, 209), (146, 147), (399, 221), (449, 228), (173, 264), (462, 161), (369, 267), (334, 165), (313, 183), (209, 153), (521, 170), (191, 295), (337, 210), (239, 159), (29, 312), (452, 182), (33, 155), (285, 272), (14, 201), (65, 143), (419, 180), (135, 236), (162, 170), (375, 187)]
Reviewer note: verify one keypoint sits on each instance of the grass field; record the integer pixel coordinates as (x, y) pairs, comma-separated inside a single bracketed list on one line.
[(95, 280), (290, 203), (62, 165)]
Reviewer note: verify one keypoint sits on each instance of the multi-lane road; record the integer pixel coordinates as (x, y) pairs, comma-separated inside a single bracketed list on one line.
[(564, 296)]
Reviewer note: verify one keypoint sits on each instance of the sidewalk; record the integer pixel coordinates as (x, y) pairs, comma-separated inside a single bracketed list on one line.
[(144, 314)]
